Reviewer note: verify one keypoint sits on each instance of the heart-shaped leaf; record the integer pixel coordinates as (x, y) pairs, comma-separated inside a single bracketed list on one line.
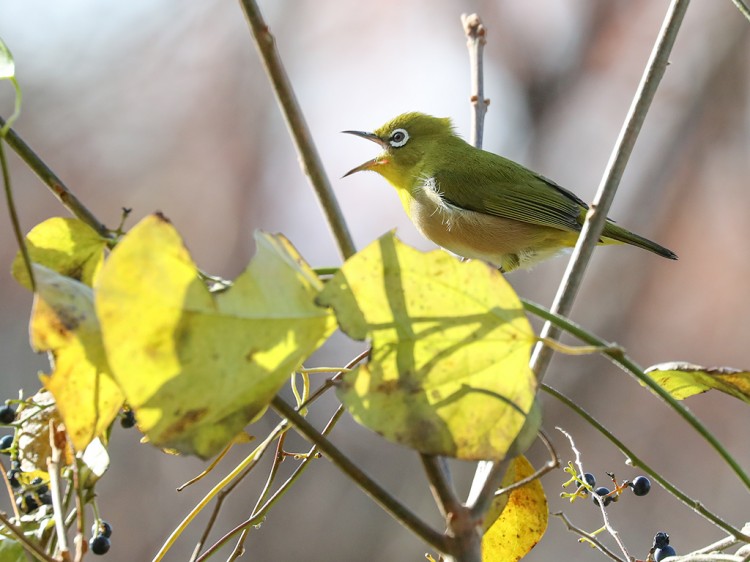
[(63, 323), (448, 373), (198, 366)]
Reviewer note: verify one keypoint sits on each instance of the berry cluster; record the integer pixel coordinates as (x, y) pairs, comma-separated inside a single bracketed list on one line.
[(661, 548), (99, 543), (640, 486)]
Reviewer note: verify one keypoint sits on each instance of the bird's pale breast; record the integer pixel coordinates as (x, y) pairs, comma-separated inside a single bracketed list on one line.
[(501, 242)]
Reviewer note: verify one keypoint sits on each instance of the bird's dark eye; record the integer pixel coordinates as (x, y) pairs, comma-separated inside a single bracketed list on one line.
[(398, 138)]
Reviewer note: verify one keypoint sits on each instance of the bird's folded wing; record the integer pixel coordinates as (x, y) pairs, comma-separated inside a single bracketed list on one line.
[(527, 197)]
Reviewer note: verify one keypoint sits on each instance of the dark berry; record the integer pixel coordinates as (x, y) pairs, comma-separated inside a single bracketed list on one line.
[(13, 478), (39, 486), (661, 553), (7, 415), (128, 419), (6, 442), (640, 485), (590, 480), (99, 544), (27, 503), (661, 540), (602, 491), (102, 528)]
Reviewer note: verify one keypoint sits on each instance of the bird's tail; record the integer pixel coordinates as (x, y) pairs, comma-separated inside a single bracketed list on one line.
[(614, 234)]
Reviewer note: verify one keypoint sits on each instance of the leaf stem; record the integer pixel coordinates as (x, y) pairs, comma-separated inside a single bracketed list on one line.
[(597, 215), (58, 188), (379, 494), (309, 158)]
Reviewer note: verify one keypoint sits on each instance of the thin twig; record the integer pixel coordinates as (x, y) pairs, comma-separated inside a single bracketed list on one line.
[(53, 470), (549, 466), (636, 461), (379, 494), (597, 215), (259, 514), (309, 158), (58, 188), (278, 458), (438, 476), (607, 525), (251, 460), (476, 39), (588, 537)]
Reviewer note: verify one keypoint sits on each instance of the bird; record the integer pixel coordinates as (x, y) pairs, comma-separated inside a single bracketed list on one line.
[(477, 204)]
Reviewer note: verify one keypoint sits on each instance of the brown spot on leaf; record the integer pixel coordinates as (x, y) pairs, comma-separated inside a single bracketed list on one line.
[(184, 422)]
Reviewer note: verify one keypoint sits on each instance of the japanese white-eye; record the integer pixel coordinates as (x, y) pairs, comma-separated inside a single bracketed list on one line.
[(477, 204)]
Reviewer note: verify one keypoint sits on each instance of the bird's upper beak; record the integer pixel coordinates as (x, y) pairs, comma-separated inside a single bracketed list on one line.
[(370, 163)]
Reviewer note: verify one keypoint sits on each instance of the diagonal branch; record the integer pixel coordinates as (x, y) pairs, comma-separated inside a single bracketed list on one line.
[(56, 185), (310, 160), (597, 215)]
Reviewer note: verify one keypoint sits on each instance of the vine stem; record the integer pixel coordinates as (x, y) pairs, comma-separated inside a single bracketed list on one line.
[(20, 240), (619, 358), (260, 512), (743, 7), (597, 215), (251, 459), (632, 368), (379, 494), (309, 158), (56, 185), (635, 461)]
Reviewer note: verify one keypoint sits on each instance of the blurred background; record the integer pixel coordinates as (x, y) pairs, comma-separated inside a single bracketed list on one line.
[(165, 106)]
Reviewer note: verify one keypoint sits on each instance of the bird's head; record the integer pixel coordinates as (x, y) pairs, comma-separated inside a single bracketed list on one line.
[(405, 141)]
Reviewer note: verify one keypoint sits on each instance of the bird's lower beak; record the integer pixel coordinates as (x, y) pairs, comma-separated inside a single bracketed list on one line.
[(370, 163)]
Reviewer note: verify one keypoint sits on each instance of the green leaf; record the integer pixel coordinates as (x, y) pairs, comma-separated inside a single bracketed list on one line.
[(448, 372), (682, 380), (523, 520), (63, 323), (68, 246), (196, 366), (12, 551)]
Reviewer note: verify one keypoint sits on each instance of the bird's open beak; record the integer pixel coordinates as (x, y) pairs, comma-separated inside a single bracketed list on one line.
[(370, 163)]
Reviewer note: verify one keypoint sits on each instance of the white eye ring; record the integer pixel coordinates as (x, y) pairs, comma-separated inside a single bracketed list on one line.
[(398, 138)]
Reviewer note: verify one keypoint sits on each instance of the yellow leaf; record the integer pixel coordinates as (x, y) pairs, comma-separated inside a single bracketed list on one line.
[(63, 323), (682, 380), (522, 522), (67, 246), (198, 366), (448, 373)]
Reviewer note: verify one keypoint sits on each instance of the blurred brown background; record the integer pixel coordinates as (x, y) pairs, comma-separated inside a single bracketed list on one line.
[(164, 106)]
